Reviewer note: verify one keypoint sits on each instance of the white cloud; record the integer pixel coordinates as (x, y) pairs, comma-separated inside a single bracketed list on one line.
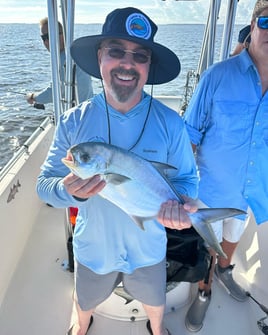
[(169, 11)]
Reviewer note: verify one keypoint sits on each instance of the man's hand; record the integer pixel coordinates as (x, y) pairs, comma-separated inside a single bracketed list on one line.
[(174, 215), (83, 188), (30, 98)]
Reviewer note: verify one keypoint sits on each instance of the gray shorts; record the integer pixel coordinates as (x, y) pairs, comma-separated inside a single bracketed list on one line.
[(147, 285)]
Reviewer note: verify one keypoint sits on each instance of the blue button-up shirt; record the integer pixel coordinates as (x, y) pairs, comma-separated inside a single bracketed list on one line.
[(227, 119)]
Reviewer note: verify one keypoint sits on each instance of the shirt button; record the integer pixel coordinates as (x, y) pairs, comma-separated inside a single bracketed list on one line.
[(251, 163), (257, 123)]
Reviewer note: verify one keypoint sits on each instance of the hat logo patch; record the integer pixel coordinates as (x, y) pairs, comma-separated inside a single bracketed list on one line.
[(138, 25)]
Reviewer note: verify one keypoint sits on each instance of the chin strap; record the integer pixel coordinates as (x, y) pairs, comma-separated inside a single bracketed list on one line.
[(108, 118)]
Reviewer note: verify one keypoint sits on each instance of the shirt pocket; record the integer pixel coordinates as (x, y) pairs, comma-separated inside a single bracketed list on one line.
[(233, 122)]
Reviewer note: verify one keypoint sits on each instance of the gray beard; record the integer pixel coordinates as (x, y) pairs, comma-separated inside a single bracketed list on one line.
[(124, 93)]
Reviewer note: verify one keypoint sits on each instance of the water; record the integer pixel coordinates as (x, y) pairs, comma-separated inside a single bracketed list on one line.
[(25, 67)]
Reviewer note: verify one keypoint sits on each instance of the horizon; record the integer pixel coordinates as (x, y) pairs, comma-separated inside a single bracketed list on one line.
[(162, 12), (98, 23)]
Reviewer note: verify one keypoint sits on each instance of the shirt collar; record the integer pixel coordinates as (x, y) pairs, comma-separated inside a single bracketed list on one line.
[(246, 61)]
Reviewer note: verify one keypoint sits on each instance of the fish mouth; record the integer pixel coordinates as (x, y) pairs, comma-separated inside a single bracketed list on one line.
[(68, 160), (68, 163)]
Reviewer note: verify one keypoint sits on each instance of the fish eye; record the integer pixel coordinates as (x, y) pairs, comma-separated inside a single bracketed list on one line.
[(84, 157)]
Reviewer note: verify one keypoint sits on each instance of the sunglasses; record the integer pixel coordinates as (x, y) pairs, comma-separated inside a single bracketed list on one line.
[(45, 37), (118, 53), (262, 22)]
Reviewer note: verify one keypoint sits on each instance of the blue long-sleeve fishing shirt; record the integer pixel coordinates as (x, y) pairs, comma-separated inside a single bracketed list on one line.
[(105, 238), (227, 119)]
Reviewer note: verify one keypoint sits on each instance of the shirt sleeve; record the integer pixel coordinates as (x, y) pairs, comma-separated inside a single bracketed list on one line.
[(197, 114), (44, 96)]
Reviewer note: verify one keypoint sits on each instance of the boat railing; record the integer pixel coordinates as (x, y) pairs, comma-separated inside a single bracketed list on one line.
[(192, 80), (62, 100), (24, 149)]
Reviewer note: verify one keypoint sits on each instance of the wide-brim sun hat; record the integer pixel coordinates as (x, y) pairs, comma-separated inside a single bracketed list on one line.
[(244, 35), (133, 25)]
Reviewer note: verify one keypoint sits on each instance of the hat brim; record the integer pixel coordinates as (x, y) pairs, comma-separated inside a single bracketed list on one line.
[(165, 65)]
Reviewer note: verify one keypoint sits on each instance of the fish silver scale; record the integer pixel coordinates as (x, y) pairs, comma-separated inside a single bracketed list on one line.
[(137, 187), (144, 189)]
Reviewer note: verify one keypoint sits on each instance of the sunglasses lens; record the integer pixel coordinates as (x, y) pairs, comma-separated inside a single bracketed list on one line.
[(44, 37), (116, 53), (262, 22), (140, 58), (120, 53)]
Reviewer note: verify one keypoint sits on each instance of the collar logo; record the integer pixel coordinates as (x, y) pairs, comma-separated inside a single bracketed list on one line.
[(137, 25)]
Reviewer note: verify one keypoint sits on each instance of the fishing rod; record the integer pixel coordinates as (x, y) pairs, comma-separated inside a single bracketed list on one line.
[(261, 324), (16, 92), (35, 105)]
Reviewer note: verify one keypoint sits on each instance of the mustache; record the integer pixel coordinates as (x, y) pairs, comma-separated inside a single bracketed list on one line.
[(126, 72)]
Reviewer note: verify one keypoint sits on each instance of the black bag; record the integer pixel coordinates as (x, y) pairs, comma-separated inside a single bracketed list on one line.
[(187, 257)]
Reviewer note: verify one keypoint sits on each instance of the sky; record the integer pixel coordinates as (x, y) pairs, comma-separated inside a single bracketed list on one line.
[(95, 11)]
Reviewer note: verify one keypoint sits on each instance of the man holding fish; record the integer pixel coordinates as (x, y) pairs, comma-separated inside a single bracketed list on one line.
[(121, 130)]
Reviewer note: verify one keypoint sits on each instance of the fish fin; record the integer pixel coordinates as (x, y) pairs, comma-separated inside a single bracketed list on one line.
[(215, 214), (202, 219), (204, 229), (161, 167), (139, 220), (178, 195), (116, 179)]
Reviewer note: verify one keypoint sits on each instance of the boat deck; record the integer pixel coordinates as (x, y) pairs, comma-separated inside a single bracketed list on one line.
[(39, 297)]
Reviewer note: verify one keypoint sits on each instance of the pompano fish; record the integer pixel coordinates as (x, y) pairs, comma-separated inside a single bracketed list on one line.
[(138, 186)]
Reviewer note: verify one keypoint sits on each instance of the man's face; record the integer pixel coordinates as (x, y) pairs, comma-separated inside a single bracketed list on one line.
[(124, 67), (259, 38), (45, 37)]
